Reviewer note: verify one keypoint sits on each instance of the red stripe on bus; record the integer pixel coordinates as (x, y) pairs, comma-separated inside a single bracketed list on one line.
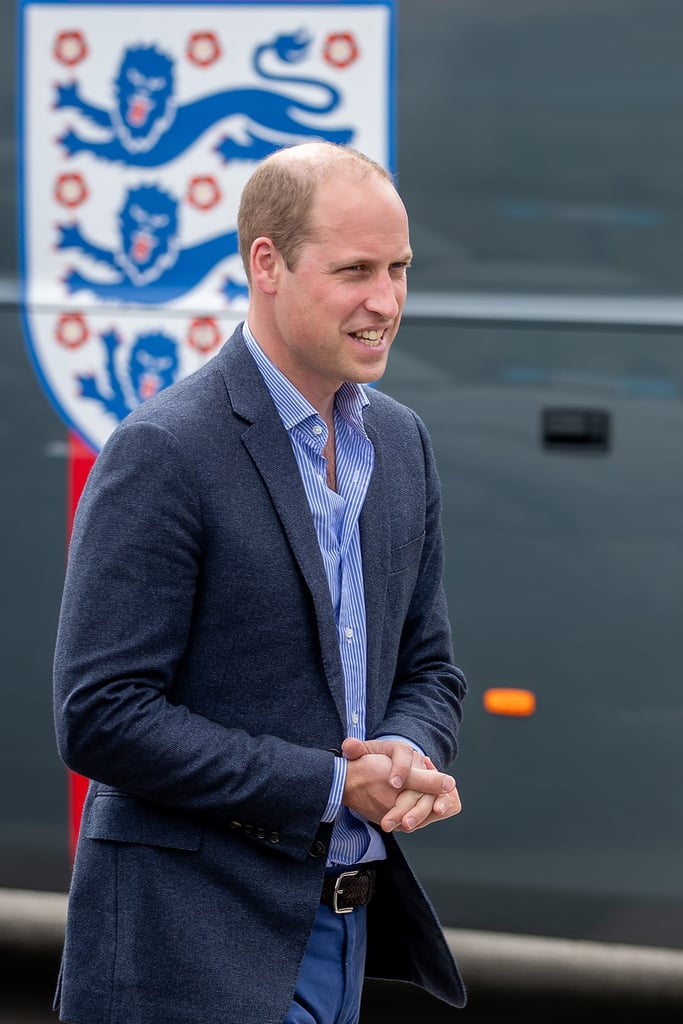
[(80, 459)]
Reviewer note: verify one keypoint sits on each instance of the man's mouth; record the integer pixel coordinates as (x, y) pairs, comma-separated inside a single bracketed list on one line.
[(370, 338)]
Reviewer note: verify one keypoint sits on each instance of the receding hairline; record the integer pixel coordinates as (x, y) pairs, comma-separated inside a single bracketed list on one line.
[(326, 157)]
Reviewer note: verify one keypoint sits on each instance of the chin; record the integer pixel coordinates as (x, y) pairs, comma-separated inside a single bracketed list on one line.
[(374, 373)]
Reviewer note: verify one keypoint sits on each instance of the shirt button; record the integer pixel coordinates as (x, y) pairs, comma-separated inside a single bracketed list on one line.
[(317, 430), (354, 718), (348, 633)]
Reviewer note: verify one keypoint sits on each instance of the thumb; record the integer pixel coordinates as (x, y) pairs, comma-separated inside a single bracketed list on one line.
[(353, 748)]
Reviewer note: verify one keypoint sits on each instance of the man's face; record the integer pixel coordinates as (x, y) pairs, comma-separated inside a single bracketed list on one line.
[(337, 313)]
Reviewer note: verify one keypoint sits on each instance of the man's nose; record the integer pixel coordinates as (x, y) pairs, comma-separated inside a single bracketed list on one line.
[(385, 296)]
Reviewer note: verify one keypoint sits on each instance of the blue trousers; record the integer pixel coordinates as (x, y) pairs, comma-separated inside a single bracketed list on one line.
[(330, 981)]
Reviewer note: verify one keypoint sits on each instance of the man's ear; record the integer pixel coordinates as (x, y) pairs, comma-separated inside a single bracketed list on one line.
[(266, 265)]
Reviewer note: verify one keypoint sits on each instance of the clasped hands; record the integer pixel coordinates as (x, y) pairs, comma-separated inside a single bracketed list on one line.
[(394, 786)]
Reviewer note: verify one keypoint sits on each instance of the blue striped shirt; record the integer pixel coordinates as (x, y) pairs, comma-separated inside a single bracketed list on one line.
[(335, 516)]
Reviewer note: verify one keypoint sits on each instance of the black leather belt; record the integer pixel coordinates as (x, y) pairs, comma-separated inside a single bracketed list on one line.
[(348, 890)]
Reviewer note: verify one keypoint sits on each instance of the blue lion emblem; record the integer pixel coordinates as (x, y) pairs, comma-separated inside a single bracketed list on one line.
[(150, 268), (140, 123), (152, 365)]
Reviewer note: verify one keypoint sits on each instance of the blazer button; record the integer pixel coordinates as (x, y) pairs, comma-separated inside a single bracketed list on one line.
[(261, 834), (235, 824), (249, 829), (274, 837), (317, 850)]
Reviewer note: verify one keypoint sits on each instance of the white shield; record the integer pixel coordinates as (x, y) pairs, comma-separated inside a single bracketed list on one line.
[(139, 124)]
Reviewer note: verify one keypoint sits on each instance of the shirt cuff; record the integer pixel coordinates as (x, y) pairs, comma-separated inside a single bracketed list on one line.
[(336, 793), (402, 739)]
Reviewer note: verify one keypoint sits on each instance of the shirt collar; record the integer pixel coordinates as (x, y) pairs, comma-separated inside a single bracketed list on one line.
[(293, 408)]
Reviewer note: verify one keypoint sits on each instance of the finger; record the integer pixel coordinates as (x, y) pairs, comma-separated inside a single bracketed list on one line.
[(445, 806), (405, 804), (417, 815), (429, 780), (403, 758)]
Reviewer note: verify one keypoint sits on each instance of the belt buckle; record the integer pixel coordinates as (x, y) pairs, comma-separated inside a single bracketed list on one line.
[(338, 891)]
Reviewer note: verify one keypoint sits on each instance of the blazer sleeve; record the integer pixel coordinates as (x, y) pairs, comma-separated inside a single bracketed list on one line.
[(427, 692), (135, 564)]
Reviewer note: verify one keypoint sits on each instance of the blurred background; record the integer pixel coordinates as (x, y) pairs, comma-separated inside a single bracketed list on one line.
[(540, 155)]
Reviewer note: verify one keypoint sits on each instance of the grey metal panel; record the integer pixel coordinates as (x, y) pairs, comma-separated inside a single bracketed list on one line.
[(33, 832), (565, 575), (539, 144)]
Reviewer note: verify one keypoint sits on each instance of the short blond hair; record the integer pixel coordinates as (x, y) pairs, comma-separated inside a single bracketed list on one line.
[(277, 200)]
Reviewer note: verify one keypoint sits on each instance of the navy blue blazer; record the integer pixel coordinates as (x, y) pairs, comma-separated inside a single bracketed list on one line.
[(198, 682)]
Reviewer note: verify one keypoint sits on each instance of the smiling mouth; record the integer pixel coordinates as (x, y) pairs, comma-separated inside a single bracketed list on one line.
[(370, 338)]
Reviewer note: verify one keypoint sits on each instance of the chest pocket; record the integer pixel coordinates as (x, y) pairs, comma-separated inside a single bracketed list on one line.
[(407, 557)]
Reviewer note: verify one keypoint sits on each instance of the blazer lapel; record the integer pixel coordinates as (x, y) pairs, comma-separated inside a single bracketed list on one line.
[(375, 539), (268, 444)]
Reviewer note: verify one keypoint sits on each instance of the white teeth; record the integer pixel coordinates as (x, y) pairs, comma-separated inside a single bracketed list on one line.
[(372, 336)]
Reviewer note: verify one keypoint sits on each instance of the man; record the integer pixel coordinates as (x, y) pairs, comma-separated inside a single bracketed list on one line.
[(254, 661)]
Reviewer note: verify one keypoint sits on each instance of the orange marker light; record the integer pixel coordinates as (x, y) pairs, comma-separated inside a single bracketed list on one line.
[(507, 701)]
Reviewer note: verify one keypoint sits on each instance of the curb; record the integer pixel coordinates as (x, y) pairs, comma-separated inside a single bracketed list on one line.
[(33, 923), (600, 971)]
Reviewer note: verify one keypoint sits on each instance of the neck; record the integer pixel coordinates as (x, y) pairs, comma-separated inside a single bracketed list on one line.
[(322, 401)]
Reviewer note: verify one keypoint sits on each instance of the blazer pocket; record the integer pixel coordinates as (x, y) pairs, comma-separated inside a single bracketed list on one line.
[(124, 819), (407, 556)]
